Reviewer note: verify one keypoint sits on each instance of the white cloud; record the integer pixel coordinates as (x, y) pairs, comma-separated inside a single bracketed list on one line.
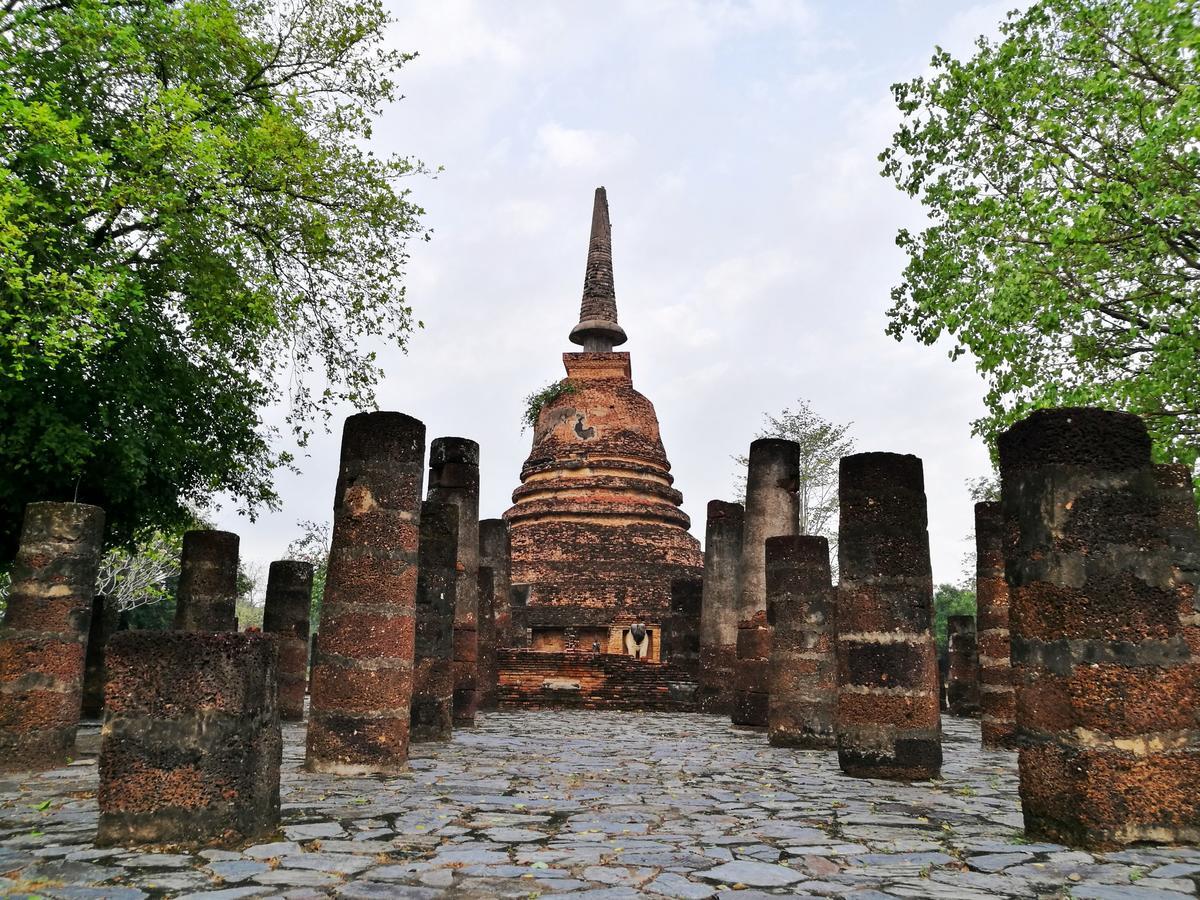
[(577, 148)]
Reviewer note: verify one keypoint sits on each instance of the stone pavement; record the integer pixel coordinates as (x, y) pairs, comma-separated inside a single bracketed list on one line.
[(591, 806)]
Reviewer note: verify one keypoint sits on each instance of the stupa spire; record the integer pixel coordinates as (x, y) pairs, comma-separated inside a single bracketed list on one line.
[(598, 330)]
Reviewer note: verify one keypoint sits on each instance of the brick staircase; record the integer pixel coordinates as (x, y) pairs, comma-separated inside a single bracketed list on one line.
[(575, 679)]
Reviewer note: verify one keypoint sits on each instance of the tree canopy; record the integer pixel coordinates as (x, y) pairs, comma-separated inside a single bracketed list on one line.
[(1060, 166), (191, 231)]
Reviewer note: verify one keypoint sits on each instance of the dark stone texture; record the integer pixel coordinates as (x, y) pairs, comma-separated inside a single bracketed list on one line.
[(495, 552), (721, 601), (191, 747), (888, 723), (681, 630), (1100, 558), (803, 668), (285, 615), (454, 479), (751, 676), (437, 581), (206, 599), (486, 638), (997, 698), (363, 677), (962, 689), (105, 618), (43, 638)]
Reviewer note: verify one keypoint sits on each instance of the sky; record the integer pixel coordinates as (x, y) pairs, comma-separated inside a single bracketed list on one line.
[(753, 237)]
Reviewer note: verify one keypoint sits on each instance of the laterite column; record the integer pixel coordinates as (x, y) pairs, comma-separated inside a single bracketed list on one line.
[(486, 636), (681, 630), (1102, 554), (997, 700), (454, 478), (495, 552), (888, 695), (433, 677), (207, 596), (722, 598), (106, 616), (962, 690), (772, 509), (288, 603), (44, 635), (362, 679), (803, 669)]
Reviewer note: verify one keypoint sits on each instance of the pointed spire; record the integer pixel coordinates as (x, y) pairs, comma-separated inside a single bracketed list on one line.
[(598, 330)]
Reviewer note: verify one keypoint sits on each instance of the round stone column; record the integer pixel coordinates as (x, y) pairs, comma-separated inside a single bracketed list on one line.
[(454, 478), (721, 599), (285, 614), (888, 706), (206, 599), (488, 679), (362, 680), (1102, 556), (962, 690), (495, 552), (433, 681), (997, 700), (803, 669), (43, 639)]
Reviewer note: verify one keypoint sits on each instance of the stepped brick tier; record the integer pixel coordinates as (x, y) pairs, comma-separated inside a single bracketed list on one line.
[(437, 580), (285, 615), (44, 634), (454, 479), (191, 746), (495, 553), (532, 679), (1102, 553), (751, 674), (889, 724), (962, 687), (106, 617), (772, 509), (362, 680), (681, 630), (596, 529), (997, 700), (719, 608), (206, 599), (486, 637), (802, 675)]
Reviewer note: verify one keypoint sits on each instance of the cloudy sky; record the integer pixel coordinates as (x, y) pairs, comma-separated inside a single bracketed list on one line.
[(753, 237)]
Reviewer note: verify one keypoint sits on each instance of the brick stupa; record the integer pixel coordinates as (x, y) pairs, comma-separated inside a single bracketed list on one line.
[(597, 530)]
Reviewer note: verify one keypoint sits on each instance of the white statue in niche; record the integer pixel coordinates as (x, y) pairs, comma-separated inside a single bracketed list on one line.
[(637, 641)]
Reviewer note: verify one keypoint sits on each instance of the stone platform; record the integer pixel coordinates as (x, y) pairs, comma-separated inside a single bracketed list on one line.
[(595, 805)]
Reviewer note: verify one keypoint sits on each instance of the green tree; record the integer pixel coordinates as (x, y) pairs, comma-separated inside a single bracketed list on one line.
[(1060, 167), (949, 600), (313, 547), (191, 230), (822, 444)]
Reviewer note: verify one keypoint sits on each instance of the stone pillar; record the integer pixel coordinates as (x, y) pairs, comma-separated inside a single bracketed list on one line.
[(888, 708), (803, 669), (433, 679), (1101, 556), (751, 681), (362, 680), (285, 614), (191, 746), (454, 478), (489, 681), (962, 690), (719, 606), (106, 617), (495, 552), (997, 701), (681, 630), (772, 508), (206, 599), (518, 605), (43, 639)]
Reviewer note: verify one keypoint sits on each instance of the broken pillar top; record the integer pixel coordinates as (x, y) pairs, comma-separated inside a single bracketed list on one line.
[(1076, 436), (598, 331)]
